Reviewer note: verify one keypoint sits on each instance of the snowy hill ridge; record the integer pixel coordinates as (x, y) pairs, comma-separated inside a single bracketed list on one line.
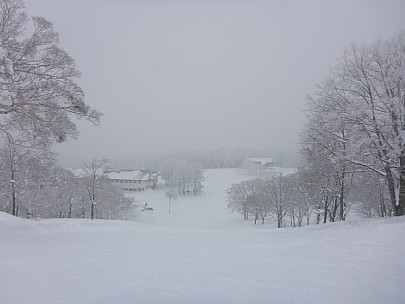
[(84, 261)]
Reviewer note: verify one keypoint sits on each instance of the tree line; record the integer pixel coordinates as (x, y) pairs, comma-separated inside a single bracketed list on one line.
[(39, 97), (37, 187), (219, 158), (352, 155), (184, 177)]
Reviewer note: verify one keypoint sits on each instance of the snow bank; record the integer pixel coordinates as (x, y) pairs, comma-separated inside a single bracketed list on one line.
[(9, 222)]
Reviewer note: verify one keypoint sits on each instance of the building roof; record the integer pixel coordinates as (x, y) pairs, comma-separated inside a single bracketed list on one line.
[(130, 175), (120, 175)]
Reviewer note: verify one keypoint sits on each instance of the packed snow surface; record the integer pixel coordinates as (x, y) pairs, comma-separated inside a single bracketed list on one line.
[(200, 253)]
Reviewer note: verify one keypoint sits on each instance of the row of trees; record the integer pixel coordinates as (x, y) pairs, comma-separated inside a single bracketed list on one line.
[(300, 198), (39, 97), (353, 146), (352, 153), (186, 177), (37, 187), (277, 197)]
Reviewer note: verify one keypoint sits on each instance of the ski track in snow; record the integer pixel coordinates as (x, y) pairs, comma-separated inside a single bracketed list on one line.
[(200, 253)]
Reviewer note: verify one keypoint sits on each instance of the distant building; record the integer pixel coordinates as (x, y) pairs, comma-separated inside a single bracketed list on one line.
[(133, 180), (263, 162)]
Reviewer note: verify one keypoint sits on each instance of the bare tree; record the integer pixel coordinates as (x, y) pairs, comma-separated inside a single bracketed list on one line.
[(247, 197), (186, 177), (38, 93), (279, 193), (106, 200), (94, 179), (370, 195), (171, 194), (239, 198), (261, 198), (21, 171), (357, 117)]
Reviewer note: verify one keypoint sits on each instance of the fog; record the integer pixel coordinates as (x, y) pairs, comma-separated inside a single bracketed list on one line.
[(204, 75)]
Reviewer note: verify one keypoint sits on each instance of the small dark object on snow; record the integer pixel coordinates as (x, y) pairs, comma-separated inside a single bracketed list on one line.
[(147, 208)]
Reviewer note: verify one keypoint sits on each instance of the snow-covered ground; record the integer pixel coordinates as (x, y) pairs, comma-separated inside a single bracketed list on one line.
[(207, 210), (200, 253)]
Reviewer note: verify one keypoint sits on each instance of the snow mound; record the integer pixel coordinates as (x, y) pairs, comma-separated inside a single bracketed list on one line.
[(8, 221)]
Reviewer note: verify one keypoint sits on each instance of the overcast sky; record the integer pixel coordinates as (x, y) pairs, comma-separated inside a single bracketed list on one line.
[(181, 75)]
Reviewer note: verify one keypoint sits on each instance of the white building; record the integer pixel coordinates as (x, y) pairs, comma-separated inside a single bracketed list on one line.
[(133, 180)]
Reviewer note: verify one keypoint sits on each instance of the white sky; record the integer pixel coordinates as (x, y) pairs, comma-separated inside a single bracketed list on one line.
[(176, 75)]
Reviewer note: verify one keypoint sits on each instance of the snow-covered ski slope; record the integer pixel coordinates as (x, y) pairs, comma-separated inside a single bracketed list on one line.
[(200, 254)]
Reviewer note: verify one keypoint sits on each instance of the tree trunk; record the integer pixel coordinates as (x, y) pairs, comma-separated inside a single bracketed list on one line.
[(341, 197), (13, 195), (334, 209), (92, 210), (382, 204), (293, 219), (325, 214), (391, 187), (307, 216), (14, 209), (279, 220), (400, 206)]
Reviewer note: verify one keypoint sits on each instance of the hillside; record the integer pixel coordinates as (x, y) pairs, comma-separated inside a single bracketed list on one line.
[(200, 254)]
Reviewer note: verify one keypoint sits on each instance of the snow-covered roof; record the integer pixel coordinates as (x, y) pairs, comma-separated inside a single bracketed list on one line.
[(120, 175), (129, 175), (261, 160)]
